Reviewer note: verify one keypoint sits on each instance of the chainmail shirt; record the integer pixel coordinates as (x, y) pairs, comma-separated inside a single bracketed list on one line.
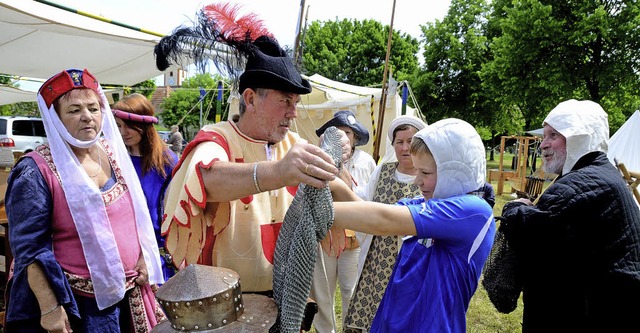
[(306, 223)]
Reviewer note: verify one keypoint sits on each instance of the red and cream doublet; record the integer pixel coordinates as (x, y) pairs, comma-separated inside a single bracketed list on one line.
[(240, 234)]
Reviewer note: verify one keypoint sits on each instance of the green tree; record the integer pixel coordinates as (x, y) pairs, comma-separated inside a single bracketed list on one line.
[(182, 107), (29, 109), (549, 51), (17, 109), (449, 82), (145, 88), (354, 52), (455, 48), (5, 78)]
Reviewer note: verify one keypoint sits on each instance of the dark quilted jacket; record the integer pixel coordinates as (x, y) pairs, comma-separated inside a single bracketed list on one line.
[(579, 252)]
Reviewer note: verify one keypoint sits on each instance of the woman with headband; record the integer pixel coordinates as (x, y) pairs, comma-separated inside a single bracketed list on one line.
[(85, 251), (151, 158)]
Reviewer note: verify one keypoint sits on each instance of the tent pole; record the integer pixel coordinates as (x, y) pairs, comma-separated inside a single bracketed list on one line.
[(405, 95), (383, 96), (296, 45)]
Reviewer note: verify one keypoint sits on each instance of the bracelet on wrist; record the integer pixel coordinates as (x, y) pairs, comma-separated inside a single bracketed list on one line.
[(255, 177), (49, 311)]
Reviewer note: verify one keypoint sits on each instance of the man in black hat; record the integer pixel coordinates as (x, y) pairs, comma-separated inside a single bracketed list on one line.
[(236, 179)]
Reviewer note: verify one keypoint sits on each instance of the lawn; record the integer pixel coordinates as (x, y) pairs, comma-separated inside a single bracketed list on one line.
[(482, 317)]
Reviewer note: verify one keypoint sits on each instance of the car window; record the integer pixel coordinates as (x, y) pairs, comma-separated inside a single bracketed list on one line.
[(22, 127), (164, 135), (38, 127), (3, 126)]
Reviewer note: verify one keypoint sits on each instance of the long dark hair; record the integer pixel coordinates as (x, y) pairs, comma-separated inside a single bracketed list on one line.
[(155, 154)]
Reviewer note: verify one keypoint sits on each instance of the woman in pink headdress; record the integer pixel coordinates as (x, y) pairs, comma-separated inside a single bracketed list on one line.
[(85, 251), (151, 158)]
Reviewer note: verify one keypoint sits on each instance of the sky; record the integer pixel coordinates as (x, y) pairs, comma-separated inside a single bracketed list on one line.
[(281, 17)]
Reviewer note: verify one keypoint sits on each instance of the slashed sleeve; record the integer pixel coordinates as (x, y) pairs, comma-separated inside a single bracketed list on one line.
[(185, 212)]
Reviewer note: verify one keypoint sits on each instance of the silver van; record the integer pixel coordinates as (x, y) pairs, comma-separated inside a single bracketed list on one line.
[(21, 134)]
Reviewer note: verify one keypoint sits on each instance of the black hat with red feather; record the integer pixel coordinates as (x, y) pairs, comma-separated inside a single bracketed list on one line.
[(232, 43)]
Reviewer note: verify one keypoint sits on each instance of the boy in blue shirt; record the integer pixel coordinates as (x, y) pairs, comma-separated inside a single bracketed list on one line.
[(449, 232)]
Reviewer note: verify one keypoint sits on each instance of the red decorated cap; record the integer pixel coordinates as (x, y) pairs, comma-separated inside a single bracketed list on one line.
[(66, 81)]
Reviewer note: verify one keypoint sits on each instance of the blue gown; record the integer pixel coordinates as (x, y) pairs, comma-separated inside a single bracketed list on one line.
[(154, 186)]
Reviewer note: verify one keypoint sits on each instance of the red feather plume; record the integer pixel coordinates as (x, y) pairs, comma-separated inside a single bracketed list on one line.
[(225, 18)]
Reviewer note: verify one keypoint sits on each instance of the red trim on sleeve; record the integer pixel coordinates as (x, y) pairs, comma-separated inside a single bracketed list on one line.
[(198, 167), (203, 136)]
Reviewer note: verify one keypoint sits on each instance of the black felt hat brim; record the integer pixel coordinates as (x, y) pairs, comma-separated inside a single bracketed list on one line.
[(261, 78)]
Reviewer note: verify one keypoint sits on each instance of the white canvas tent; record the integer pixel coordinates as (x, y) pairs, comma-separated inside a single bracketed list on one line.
[(38, 41), (624, 145), (536, 132), (10, 95), (328, 97)]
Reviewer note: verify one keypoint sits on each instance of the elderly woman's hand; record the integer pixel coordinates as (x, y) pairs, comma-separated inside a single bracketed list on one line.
[(56, 320), (143, 273)]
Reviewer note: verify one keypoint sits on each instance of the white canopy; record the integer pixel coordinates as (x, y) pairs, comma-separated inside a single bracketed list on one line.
[(10, 95), (39, 40), (624, 145)]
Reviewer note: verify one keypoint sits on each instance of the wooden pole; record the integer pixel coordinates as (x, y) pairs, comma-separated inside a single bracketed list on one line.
[(296, 52), (302, 34), (501, 167), (383, 96), (628, 176)]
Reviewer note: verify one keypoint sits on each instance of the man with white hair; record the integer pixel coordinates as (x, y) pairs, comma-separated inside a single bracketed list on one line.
[(578, 247), (175, 140)]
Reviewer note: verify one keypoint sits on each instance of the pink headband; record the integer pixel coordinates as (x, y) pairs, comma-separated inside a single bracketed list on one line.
[(135, 117)]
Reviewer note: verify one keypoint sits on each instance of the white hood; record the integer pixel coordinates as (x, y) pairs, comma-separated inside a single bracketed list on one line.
[(585, 126), (459, 155)]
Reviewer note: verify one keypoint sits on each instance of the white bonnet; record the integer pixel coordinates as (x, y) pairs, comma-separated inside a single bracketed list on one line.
[(585, 126), (459, 155), (405, 120)]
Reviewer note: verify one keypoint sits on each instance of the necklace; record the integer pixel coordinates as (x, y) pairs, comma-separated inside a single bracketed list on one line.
[(99, 165)]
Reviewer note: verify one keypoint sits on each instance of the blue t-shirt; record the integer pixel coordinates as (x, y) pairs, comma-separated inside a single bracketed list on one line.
[(438, 270)]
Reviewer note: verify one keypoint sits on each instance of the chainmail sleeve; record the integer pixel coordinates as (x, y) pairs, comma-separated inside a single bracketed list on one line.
[(306, 223)]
